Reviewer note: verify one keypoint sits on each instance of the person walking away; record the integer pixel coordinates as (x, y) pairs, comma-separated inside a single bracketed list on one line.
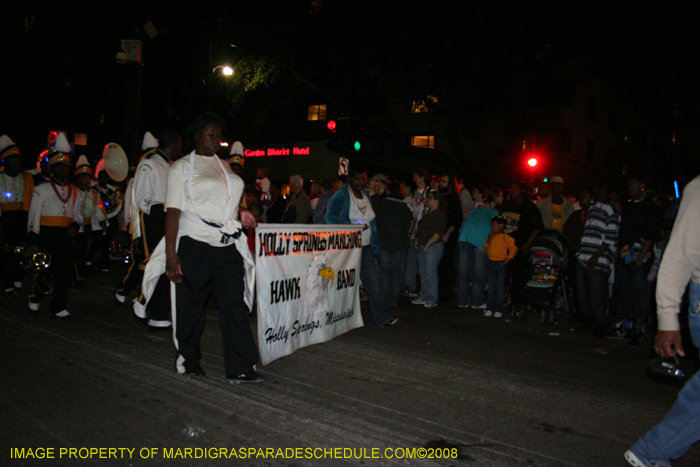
[(680, 268)]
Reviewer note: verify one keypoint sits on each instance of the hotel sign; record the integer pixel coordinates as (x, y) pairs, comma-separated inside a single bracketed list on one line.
[(293, 151)]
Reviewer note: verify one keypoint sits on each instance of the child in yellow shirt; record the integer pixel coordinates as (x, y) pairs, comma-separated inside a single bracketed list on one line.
[(501, 249)]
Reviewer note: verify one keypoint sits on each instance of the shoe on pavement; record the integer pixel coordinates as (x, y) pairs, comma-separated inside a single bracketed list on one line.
[(195, 372), (418, 301), (488, 313), (119, 299), (251, 377), (63, 314), (498, 314), (464, 306), (392, 322), (480, 307), (638, 460), (141, 323), (430, 305)]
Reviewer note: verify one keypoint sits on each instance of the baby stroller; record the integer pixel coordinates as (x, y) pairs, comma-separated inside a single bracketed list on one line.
[(548, 267)]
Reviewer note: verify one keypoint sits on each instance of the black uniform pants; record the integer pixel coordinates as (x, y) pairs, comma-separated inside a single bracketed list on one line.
[(218, 270), (82, 241), (14, 230), (55, 242), (134, 275), (152, 231)]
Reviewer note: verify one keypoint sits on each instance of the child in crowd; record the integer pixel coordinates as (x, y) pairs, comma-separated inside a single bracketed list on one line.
[(501, 249)]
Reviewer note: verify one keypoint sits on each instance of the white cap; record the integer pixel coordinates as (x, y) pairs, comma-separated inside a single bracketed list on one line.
[(149, 141), (61, 144), (5, 142), (82, 160), (237, 148)]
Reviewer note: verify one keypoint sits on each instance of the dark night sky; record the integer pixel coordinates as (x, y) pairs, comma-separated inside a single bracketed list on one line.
[(59, 70)]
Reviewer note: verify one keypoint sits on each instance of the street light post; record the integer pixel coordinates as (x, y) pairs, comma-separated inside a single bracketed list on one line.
[(226, 70)]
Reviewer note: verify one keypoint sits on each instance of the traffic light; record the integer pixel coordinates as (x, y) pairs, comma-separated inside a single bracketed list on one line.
[(333, 136), (532, 162)]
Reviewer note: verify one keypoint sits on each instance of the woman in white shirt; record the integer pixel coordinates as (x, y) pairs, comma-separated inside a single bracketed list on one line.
[(205, 250)]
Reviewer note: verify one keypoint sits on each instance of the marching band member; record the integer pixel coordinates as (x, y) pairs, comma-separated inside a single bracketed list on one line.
[(110, 201), (55, 218), (134, 275), (150, 183), (15, 199), (93, 216), (204, 250)]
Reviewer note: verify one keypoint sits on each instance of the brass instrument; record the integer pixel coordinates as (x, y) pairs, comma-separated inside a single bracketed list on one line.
[(112, 203), (38, 263), (116, 164)]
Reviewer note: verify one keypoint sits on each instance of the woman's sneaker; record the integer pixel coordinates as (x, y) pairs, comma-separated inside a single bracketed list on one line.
[(418, 301), (430, 305), (488, 313), (498, 314), (480, 307), (638, 460)]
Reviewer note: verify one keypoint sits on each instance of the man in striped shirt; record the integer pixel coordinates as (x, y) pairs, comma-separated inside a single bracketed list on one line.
[(595, 260)]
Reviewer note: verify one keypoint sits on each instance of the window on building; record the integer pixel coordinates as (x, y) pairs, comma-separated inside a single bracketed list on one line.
[(317, 112), (424, 141), (424, 105)]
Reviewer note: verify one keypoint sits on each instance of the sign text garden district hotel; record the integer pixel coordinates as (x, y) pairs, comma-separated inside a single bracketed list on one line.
[(295, 151)]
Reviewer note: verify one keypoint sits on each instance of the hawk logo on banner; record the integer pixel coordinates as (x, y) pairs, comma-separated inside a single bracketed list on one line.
[(305, 281), (343, 169)]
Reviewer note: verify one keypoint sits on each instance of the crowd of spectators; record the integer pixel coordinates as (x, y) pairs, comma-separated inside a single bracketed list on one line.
[(437, 237)]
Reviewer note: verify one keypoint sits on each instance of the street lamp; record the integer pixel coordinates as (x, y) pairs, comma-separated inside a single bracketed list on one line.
[(226, 70)]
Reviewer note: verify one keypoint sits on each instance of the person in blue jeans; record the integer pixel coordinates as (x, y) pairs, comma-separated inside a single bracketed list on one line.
[(680, 428), (501, 250), (471, 271), (351, 205), (430, 248)]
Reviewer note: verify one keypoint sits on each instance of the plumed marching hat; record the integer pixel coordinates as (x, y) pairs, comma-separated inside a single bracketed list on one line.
[(83, 166), (149, 141), (61, 151), (7, 147), (237, 151)]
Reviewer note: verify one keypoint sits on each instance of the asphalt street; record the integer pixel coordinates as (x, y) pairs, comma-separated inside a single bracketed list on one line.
[(447, 386)]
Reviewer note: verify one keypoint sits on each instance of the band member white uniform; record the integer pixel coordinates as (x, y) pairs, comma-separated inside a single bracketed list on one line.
[(15, 198), (94, 218), (132, 222), (55, 217), (150, 182), (111, 203), (204, 250)]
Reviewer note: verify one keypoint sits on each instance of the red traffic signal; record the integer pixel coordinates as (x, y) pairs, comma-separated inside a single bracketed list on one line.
[(331, 125), (532, 161)]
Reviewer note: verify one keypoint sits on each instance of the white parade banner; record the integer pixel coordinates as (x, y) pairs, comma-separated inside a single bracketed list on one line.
[(307, 282)]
